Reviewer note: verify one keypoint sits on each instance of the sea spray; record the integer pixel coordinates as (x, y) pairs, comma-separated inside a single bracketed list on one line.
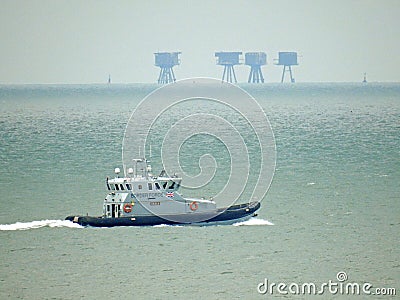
[(254, 222), (39, 224)]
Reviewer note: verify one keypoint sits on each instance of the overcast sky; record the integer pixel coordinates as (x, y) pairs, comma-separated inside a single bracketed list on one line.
[(84, 41)]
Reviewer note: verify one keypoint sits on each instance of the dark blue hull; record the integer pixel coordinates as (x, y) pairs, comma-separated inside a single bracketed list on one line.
[(233, 213)]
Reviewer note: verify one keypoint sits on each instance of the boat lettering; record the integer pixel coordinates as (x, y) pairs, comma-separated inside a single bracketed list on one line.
[(155, 203), (148, 195)]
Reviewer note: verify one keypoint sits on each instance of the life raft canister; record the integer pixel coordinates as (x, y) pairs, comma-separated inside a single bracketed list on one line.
[(127, 207), (194, 206)]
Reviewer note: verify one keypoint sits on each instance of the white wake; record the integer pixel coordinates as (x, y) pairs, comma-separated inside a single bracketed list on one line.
[(254, 222), (69, 224), (39, 224)]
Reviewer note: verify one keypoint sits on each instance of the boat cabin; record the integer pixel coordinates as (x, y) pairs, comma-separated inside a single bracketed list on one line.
[(124, 192)]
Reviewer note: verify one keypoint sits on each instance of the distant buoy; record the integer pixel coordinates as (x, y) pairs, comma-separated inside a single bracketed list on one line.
[(365, 78)]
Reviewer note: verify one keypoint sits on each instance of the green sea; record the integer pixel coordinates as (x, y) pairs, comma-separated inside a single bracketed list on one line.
[(333, 205)]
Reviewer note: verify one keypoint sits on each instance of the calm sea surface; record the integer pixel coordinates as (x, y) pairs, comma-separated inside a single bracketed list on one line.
[(334, 204)]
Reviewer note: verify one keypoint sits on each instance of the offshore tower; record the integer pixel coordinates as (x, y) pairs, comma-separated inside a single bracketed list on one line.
[(287, 60), (166, 61), (228, 60), (255, 60)]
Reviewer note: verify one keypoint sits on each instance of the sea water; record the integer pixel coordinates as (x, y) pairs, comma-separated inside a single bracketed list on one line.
[(333, 205)]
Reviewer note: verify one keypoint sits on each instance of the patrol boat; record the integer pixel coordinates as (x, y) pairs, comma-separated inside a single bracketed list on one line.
[(141, 199)]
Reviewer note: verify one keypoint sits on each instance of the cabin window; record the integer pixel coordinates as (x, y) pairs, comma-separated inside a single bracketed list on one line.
[(122, 187), (157, 185), (164, 185), (139, 186), (108, 213), (171, 187), (116, 187), (108, 186), (112, 187), (128, 187), (150, 185)]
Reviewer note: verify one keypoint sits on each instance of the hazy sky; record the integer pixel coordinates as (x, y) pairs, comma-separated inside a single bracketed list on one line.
[(84, 41)]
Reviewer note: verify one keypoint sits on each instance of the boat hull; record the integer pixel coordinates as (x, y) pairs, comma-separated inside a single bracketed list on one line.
[(229, 215)]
